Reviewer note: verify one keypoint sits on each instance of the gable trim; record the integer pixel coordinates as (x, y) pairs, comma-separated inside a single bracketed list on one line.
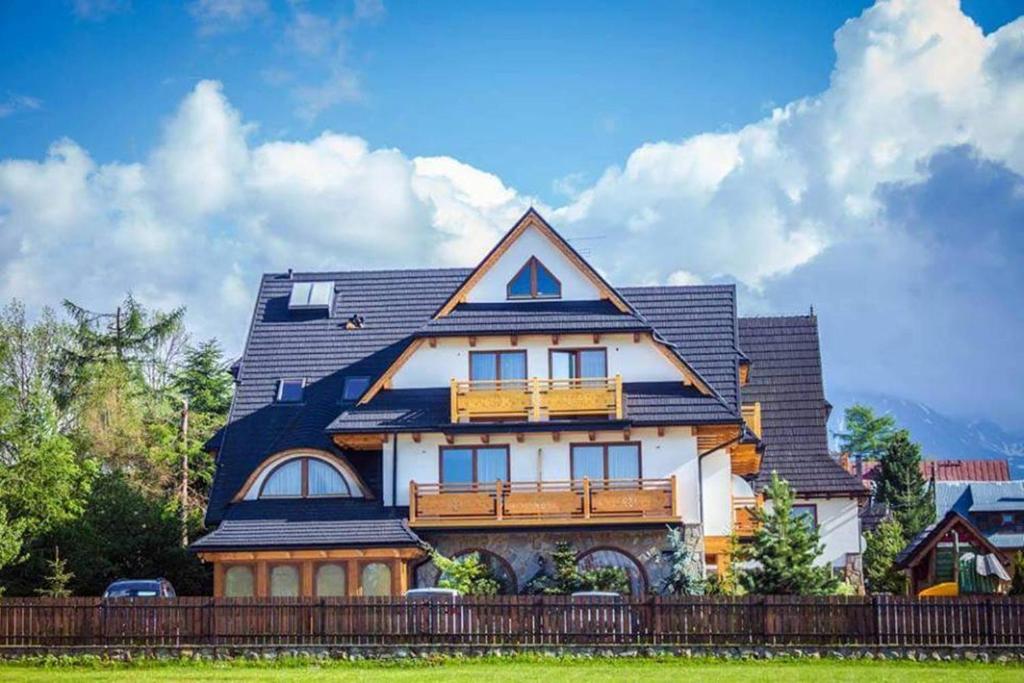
[(384, 380), (933, 537), (532, 219)]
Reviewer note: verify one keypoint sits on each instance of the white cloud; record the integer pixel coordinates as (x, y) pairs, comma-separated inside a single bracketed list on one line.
[(768, 204), (16, 103), (96, 10), (218, 16)]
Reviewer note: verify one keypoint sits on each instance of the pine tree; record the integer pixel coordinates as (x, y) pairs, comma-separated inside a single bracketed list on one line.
[(883, 545), (785, 549), (468, 574), (204, 380), (58, 579), (1017, 580), (902, 487), (867, 434), (683, 578)]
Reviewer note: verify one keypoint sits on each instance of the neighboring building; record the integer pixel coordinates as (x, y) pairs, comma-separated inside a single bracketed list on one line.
[(505, 409), (996, 469)]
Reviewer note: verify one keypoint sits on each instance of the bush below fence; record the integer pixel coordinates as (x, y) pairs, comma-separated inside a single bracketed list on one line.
[(750, 621)]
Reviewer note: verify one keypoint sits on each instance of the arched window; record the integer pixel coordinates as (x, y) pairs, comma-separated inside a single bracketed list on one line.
[(330, 581), (534, 281), (239, 582), (304, 477), (376, 579), (284, 581), (620, 559)]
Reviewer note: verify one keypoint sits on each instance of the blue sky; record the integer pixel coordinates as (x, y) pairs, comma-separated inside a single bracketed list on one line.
[(864, 158)]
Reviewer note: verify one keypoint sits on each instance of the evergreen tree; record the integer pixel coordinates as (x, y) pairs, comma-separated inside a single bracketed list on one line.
[(902, 487), (566, 577), (468, 574), (883, 545), (867, 434), (204, 379), (1017, 580), (684, 578), (58, 578), (785, 549)]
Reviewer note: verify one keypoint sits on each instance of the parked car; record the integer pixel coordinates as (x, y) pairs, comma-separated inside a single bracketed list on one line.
[(140, 588), (432, 594)]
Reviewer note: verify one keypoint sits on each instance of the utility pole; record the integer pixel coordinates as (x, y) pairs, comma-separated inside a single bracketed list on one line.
[(184, 472)]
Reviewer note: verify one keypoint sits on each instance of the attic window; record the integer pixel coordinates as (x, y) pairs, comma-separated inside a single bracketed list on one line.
[(290, 390), (354, 388), (311, 296), (534, 281)]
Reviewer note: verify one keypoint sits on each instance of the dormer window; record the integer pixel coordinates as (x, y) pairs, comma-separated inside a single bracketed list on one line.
[(290, 390), (534, 281)]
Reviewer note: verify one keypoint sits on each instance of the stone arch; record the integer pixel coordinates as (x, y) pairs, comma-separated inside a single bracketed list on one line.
[(505, 574), (612, 556)]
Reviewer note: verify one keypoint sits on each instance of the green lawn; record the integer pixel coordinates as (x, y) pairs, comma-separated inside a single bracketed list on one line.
[(522, 668)]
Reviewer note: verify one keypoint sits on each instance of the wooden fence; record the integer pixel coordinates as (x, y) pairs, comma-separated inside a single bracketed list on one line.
[(511, 621)]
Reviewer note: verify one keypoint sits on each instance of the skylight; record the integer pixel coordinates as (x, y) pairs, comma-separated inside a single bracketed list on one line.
[(311, 295), (290, 390)]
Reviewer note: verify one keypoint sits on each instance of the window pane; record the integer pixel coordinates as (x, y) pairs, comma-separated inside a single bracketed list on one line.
[(324, 480), (588, 461), (286, 480), (592, 364), (330, 581), (547, 285), (457, 466), (482, 366), (354, 387), (491, 464), (238, 582), (562, 364), (805, 512), (513, 365), (376, 579), (284, 581), (290, 390), (520, 284), (623, 461)]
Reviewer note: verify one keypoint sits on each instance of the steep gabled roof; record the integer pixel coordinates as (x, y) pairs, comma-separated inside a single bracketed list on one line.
[(785, 377), (532, 219), (932, 535)]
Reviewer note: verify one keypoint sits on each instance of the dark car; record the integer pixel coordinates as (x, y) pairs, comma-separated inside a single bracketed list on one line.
[(140, 588)]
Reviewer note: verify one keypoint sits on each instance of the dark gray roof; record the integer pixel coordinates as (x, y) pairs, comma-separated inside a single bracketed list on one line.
[(554, 317), (925, 537), (700, 322), (785, 376), (646, 403), (307, 524), (394, 304)]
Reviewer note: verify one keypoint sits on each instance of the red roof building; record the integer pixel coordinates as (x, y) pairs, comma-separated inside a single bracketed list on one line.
[(997, 469)]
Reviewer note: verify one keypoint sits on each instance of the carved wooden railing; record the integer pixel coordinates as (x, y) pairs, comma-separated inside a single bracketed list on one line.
[(536, 398), (743, 522), (548, 502)]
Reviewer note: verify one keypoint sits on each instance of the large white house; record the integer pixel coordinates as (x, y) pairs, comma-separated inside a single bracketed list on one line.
[(503, 410)]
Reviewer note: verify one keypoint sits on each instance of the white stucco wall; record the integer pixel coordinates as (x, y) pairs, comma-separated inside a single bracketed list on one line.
[(492, 286), (717, 472), (838, 526), (540, 458), (636, 361)]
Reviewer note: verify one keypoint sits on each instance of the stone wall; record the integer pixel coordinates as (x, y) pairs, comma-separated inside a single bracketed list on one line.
[(521, 551)]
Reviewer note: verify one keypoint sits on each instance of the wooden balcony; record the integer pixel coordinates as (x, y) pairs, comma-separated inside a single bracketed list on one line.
[(536, 399), (743, 523), (522, 503)]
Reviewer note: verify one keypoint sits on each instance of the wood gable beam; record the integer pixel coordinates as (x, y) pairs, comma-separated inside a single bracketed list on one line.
[(531, 219), (385, 379)]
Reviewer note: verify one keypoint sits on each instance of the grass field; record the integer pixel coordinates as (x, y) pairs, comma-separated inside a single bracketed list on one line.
[(522, 668)]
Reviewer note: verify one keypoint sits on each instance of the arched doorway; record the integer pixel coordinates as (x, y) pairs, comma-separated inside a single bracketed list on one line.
[(608, 556), (500, 569)]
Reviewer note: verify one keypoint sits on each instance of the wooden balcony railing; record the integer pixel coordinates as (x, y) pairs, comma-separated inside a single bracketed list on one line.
[(536, 399), (743, 523), (522, 503), (752, 416)]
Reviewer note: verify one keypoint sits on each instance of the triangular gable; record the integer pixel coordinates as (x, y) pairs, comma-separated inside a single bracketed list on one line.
[(920, 546), (533, 220)]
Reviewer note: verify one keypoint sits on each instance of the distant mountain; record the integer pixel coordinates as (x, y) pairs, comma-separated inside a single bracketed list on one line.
[(940, 436)]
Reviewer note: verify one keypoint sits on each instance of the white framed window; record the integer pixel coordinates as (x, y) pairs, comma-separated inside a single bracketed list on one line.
[(290, 390)]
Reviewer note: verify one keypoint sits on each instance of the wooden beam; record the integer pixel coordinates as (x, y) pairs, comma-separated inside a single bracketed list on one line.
[(592, 436), (687, 372), (485, 438), (514, 340), (417, 437), (392, 369), (433, 342), (472, 341), (625, 434), (449, 439), (310, 554), (359, 442), (661, 431), (520, 437), (597, 338), (556, 436), (636, 337), (554, 340)]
